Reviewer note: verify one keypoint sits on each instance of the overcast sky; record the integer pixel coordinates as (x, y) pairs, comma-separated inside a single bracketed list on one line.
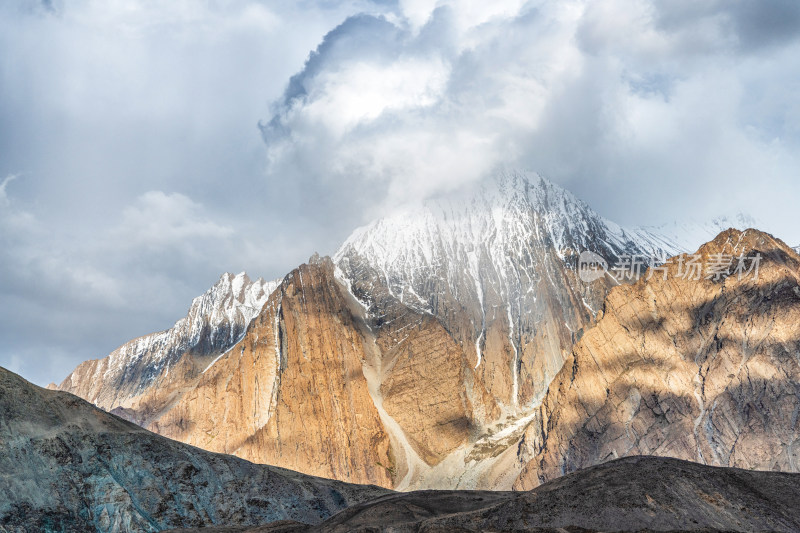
[(147, 146)]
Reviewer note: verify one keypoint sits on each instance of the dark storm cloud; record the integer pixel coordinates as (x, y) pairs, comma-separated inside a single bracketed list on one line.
[(766, 22), (753, 24)]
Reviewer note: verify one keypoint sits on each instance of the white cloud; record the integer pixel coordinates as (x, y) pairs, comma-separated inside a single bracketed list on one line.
[(468, 14), (611, 98), (135, 124), (158, 219), (3, 195), (360, 92)]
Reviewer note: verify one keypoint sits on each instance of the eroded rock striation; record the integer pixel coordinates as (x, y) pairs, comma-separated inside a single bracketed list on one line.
[(292, 392), (414, 358), (706, 370)]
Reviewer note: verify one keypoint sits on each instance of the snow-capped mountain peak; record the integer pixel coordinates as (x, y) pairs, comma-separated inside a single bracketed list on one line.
[(505, 215), (502, 253), (216, 320), (232, 299)]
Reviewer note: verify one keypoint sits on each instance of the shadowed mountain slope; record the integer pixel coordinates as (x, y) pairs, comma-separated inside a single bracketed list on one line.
[(633, 494), (65, 465)]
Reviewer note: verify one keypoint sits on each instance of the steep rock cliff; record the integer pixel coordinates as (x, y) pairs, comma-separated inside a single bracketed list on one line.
[(701, 369)]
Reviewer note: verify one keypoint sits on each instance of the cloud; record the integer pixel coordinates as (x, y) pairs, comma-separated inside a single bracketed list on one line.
[(373, 107), (8, 179), (135, 125), (68, 297), (147, 173), (749, 24), (630, 103), (158, 220)]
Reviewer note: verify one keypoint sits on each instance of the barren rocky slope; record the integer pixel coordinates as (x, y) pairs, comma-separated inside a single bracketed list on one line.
[(415, 359), (634, 494), (705, 370), (409, 369), (142, 377), (68, 466), (293, 392)]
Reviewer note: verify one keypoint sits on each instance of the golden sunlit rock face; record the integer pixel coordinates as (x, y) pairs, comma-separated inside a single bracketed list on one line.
[(320, 385), (697, 369), (462, 346), (412, 359), (705, 370), (292, 392)]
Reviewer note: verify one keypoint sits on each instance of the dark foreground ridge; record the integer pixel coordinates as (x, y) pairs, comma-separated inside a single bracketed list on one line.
[(633, 494), (67, 466)]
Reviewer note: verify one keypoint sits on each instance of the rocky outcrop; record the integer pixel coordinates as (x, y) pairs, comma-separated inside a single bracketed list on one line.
[(67, 466), (701, 369), (423, 388), (142, 377), (292, 392)]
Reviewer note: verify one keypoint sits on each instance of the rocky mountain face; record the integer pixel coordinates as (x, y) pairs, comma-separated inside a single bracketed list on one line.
[(294, 392), (419, 349), (415, 358), (142, 377), (495, 265), (67, 466), (704, 369)]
